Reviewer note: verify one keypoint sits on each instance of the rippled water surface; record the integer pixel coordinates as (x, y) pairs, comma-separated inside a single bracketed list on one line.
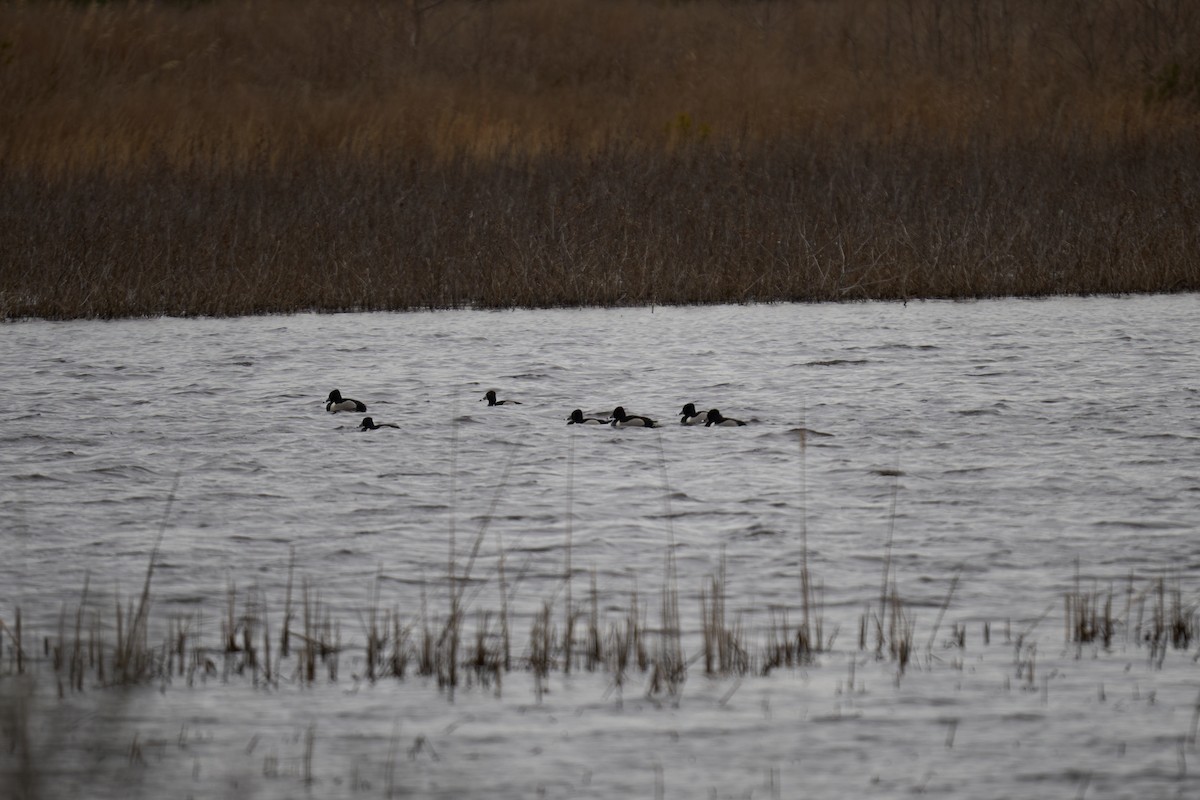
[(1002, 448)]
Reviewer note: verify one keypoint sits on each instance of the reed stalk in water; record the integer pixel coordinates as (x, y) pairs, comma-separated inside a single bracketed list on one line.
[(1168, 622)]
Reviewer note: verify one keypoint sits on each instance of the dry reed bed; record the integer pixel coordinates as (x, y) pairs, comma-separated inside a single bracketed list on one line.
[(235, 158)]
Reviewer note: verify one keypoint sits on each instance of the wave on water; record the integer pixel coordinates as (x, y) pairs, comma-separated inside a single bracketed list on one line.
[(1004, 498), (838, 362), (1143, 525)]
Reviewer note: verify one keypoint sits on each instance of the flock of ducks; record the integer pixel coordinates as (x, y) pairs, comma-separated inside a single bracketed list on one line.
[(618, 419), (688, 415)]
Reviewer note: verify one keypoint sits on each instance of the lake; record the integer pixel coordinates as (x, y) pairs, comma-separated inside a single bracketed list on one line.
[(979, 462)]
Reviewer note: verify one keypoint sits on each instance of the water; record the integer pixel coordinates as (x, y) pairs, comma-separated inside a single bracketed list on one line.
[(1001, 447)]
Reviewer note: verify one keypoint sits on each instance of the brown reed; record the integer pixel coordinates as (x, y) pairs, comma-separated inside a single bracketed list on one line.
[(1168, 621), (894, 626), (626, 645), (594, 649), (724, 652), (1172, 623), (375, 640), (1088, 615), (668, 664), (958, 635), (232, 158), (542, 640)]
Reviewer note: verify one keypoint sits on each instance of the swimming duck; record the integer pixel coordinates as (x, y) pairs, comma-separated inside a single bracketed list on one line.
[(492, 401), (577, 418), (622, 420), (337, 403), (715, 418), (369, 424), (690, 416)]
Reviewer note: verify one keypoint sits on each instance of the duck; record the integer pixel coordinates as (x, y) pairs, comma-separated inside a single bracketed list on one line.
[(336, 403), (577, 418), (715, 418), (690, 416), (492, 401), (622, 420), (369, 424)]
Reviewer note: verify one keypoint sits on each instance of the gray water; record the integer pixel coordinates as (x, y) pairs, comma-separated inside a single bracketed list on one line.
[(993, 453)]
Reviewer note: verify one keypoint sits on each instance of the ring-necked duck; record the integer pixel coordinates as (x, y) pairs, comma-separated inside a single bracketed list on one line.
[(622, 420), (690, 416), (577, 418), (715, 418), (336, 403), (368, 424), (492, 401)]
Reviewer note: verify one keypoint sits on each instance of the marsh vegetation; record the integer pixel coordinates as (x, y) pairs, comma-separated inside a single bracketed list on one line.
[(290, 650), (229, 158)]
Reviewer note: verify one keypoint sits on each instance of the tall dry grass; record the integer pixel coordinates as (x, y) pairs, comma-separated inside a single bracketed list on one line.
[(233, 158)]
